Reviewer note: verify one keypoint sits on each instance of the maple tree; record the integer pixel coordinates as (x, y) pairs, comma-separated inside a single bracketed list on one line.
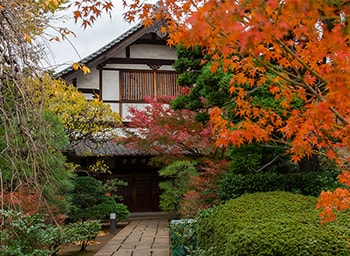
[(168, 134), (253, 167), (303, 43), (208, 90), (87, 11), (174, 137)]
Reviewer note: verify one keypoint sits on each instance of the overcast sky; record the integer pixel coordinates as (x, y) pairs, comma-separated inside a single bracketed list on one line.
[(62, 54)]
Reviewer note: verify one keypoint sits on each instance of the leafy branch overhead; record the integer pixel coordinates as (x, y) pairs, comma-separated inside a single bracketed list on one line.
[(305, 44), (88, 11)]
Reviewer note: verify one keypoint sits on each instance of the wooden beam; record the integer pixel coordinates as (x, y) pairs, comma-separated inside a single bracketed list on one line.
[(136, 61)]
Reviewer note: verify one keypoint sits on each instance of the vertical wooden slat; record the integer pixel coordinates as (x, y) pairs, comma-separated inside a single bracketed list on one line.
[(154, 84), (137, 84), (121, 92)]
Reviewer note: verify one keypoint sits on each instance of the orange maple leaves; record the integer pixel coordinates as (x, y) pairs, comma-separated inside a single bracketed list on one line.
[(87, 11), (305, 44)]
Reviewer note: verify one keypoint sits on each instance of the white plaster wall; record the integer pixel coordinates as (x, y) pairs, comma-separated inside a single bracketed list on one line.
[(110, 89), (152, 51), (167, 68), (89, 80), (128, 66), (114, 106)]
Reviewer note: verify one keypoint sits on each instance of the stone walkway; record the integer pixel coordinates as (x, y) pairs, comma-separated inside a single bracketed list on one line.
[(141, 237)]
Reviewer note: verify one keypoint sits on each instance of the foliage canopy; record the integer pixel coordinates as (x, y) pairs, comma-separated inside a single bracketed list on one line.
[(305, 44)]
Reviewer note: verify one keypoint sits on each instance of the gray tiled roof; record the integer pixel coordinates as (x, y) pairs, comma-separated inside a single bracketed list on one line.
[(106, 148), (103, 49)]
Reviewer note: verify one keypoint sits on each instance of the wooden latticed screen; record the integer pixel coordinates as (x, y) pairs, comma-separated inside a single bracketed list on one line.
[(138, 84), (167, 84)]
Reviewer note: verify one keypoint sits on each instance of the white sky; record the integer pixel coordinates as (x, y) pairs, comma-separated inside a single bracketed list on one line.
[(62, 54)]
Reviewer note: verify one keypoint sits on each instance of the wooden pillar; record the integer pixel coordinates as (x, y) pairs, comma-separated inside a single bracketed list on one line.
[(154, 68)]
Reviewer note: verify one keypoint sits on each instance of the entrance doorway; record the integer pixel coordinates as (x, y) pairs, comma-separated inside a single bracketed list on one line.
[(142, 192)]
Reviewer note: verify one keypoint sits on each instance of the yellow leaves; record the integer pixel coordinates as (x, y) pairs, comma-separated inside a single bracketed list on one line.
[(85, 69), (79, 116), (76, 66), (55, 3), (52, 5), (28, 38)]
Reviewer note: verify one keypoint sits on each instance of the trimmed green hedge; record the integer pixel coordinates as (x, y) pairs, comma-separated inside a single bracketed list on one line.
[(271, 223), (233, 185)]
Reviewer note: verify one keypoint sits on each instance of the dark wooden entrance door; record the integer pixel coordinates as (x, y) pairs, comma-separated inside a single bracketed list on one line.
[(142, 192)]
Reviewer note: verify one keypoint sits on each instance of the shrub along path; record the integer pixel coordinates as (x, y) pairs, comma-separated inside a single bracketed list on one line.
[(145, 235)]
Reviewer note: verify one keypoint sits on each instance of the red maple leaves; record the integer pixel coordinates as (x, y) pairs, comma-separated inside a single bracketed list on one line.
[(305, 44), (158, 130)]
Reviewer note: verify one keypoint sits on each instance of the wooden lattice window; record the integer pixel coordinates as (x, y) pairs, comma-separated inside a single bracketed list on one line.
[(138, 84)]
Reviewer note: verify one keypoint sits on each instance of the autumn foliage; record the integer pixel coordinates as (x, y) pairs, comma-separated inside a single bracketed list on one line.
[(162, 131), (27, 203), (82, 119), (305, 44), (203, 192)]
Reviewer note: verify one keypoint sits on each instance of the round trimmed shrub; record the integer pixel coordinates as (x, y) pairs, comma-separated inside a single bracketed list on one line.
[(271, 223)]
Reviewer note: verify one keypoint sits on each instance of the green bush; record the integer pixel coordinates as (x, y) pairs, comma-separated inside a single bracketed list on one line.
[(89, 201), (24, 235), (234, 185), (121, 212), (83, 232), (183, 237), (271, 223), (178, 176)]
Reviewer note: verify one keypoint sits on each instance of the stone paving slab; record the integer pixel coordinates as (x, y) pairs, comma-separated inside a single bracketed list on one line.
[(141, 237)]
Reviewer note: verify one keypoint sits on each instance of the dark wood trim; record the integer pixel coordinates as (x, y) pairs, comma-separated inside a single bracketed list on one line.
[(121, 83), (141, 70), (127, 51), (89, 90), (112, 101), (155, 93), (136, 61), (74, 82), (100, 82)]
